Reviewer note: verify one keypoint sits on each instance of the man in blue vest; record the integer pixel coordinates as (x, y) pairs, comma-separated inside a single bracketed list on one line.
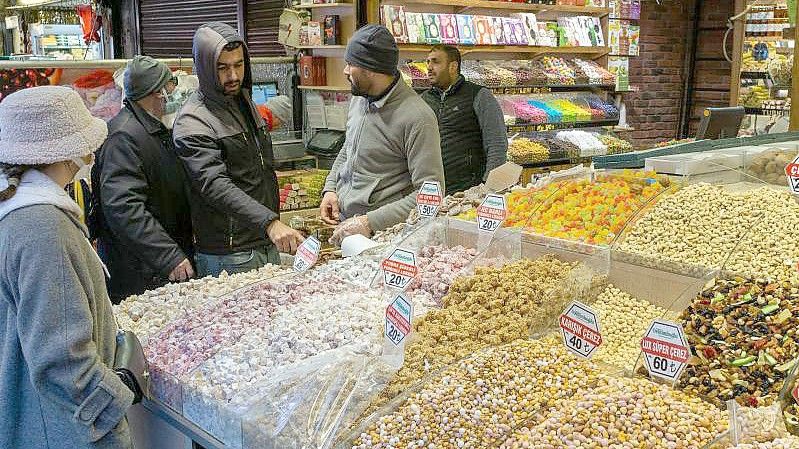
[(474, 139)]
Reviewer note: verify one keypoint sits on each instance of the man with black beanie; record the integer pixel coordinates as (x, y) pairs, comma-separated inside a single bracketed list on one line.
[(392, 145)]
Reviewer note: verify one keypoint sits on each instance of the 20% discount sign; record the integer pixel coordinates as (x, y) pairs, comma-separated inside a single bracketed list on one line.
[(398, 319), (307, 254), (399, 268), (491, 213)]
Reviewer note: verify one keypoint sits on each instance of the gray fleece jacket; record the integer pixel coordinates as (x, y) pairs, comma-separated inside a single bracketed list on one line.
[(57, 330), (392, 147)]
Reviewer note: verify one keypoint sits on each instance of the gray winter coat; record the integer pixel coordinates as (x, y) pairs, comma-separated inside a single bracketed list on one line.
[(57, 330)]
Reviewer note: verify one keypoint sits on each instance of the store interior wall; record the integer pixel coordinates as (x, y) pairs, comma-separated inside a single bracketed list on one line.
[(661, 70)]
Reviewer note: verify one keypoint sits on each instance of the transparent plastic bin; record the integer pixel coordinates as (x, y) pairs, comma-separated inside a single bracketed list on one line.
[(767, 163), (695, 165), (430, 243), (206, 398), (312, 402)]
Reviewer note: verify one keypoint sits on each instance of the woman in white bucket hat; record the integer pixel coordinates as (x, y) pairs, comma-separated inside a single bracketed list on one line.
[(57, 331)]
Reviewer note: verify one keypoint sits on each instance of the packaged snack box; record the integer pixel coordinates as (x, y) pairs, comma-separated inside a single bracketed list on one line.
[(432, 31), (466, 31), (394, 20), (449, 28)]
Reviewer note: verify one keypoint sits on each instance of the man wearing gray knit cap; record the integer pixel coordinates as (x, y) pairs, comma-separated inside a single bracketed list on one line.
[(142, 219), (392, 144)]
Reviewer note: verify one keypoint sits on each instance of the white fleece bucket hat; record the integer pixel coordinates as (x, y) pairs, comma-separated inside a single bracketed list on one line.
[(43, 125)]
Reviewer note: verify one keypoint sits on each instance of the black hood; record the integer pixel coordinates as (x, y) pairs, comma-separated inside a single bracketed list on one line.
[(209, 40)]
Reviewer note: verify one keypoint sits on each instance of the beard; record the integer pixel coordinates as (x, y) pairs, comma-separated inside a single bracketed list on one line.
[(355, 90)]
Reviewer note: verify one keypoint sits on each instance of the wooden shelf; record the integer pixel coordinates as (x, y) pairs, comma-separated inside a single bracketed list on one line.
[(596, 52), (329, 88), (488, 4), (324, 5)]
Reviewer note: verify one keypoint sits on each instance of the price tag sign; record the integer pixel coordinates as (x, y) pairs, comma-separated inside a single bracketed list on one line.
[(579, 328), (491, 213), (398, 319), (399, 268), (307, 254), (666, 350), (428, 200), (792, 172)]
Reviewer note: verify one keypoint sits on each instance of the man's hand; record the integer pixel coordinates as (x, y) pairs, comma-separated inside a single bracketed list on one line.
[(182, 272), (329, 208), (352, 226), (285, 238)]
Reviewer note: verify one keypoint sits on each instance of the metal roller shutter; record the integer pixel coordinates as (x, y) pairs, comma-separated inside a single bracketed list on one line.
[(262, 25), (168, 26)]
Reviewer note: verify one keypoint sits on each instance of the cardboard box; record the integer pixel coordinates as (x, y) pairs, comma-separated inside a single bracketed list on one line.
[(413, 22), (432, 32), (313, 71), (483, 30), (314, 33), (466, 31), (498, 31), (394, 20), (529, 23), (449, 28), (332, 29)]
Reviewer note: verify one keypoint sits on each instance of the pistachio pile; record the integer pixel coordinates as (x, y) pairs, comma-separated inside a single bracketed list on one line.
[(624, 320), (478, 402), (624, 413), (742, 334), (769, 249), (699, 225)]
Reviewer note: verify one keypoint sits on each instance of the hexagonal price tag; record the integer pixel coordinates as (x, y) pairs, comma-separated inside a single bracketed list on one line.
[(399, 268), (491, 213), (579, 327), (666, 351), (307, 254), (429, 198), (398, 320), (792, 173)]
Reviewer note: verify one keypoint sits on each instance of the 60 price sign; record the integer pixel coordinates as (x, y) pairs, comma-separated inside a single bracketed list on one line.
[(665, 349)]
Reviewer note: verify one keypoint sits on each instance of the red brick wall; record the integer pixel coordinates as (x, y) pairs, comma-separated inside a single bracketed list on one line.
[(660, 70)]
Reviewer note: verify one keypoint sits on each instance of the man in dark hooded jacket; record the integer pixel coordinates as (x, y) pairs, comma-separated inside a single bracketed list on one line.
[(141, 219), (227, 153)]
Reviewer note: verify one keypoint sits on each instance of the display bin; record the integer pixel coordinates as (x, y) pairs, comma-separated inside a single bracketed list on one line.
[(766, 163), (207, 398), (311, 403), (700, 166), (437, 271)]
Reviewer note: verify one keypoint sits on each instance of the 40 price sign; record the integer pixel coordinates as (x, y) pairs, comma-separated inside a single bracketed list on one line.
[(399, 268), (491, 213), (666, 350), (579, 328), (429, 199)]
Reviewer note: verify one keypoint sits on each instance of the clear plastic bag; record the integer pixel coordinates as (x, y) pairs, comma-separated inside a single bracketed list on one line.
[(309, 404)]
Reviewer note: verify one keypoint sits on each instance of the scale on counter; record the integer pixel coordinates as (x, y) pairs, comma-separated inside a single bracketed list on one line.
[(326, 143)]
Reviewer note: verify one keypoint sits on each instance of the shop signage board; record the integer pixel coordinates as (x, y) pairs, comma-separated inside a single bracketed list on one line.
[(307, 254), (665, 349), (398, 320), (491, 213), (399, 268), (792, 172), (579, 327), (429, 199)]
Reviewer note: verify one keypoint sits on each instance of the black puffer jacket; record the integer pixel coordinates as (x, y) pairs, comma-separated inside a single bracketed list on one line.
[(227, 155), (141, 220)]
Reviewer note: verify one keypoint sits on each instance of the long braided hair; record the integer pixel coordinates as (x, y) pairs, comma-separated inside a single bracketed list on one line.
[(13, 174)]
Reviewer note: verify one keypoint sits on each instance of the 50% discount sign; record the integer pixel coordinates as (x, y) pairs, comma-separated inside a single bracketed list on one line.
[(399, 268), (579, 328), (665, 349), (429, 199)]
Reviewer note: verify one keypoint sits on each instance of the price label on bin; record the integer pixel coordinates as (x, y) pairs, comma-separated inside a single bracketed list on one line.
[(398, 319), (792, 172), (579, 328), (491, 213), (307, 254), (666, 350), (399, 268), (428, 200)]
